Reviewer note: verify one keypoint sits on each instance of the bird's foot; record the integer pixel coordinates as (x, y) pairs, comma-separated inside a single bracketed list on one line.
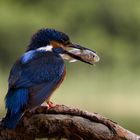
[(50, 104)]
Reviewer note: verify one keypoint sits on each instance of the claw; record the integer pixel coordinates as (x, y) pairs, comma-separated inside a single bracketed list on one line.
[(50, 104)]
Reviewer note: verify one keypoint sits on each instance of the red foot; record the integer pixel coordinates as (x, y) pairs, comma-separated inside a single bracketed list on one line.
[(50, 104)]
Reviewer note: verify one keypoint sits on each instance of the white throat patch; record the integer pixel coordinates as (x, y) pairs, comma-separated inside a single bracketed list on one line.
[(46, 48)]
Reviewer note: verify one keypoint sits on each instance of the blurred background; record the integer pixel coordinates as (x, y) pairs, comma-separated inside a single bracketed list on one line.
[(112, 28)]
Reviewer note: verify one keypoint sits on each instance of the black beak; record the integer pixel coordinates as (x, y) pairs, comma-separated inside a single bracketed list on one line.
[(80, 47), (83, 54)]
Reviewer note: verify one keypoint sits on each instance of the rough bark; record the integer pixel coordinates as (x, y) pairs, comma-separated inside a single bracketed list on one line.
[(66, 122)]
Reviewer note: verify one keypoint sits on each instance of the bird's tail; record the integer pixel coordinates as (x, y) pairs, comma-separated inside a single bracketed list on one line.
[(15, 100), (11, 120)]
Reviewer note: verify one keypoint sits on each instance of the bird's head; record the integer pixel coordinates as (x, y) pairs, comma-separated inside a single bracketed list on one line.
[(59, 42)]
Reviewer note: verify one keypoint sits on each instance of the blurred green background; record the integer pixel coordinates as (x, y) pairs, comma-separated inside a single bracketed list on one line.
[(111, 27)]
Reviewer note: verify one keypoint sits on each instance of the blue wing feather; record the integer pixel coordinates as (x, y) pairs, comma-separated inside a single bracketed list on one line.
[(41, 92), (11, 120), (42, 69), (45, 71), (15, 100)]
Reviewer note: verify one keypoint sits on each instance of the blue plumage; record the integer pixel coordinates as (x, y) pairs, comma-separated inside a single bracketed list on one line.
[(34, 76), (37, 73), (16, 101), (42, 72), (21, 96), (11, 120), (27, 56), (44, 36)]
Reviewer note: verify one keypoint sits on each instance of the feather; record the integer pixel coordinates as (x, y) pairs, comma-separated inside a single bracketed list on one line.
[(11, 120), (40, 93), (31, 83), (16, 100), (45, 67)]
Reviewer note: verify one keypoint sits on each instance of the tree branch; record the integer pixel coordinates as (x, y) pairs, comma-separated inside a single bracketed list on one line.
[(65, 122)]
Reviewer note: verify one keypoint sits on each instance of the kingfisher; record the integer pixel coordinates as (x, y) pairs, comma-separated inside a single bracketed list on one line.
[(40, 71)]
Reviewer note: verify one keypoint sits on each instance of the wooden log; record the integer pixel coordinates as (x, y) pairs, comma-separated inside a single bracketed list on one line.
[(66, 122)]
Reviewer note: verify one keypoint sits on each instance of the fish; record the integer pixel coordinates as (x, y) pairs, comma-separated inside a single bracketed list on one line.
[(87, 55)]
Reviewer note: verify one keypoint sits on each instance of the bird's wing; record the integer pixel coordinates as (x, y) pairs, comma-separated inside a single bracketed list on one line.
[(43, 74), (45, 68), (41, 92)]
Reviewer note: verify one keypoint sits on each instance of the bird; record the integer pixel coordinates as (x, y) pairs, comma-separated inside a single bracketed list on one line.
[(38, 73)]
